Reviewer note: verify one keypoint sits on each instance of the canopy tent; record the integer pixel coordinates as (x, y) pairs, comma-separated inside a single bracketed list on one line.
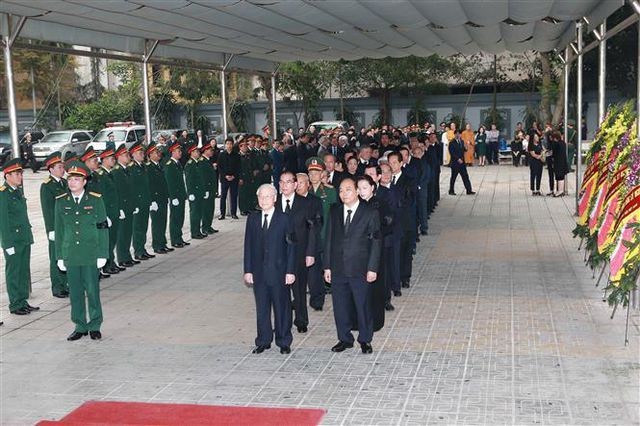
[(260, 33)]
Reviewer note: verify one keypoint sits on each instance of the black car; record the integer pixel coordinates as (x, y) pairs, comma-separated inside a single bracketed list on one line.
[(5, 143)]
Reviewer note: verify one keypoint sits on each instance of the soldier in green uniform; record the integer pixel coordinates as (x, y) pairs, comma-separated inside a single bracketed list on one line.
[(174, 176), (90, 160), (158, 195), (247, 180), (195, 190), (16, 239), (120, 173), (328, 196), (163, 148), (266, 161), (141, 200), (111, 199), (53, 186), (82, 246), (209, 176)]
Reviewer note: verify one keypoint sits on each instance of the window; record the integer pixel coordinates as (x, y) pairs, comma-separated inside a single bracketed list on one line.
[(131, 136), (81, 136), (140, 134)]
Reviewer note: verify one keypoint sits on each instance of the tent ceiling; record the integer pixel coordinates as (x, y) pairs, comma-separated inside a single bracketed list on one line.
[(261, 33)]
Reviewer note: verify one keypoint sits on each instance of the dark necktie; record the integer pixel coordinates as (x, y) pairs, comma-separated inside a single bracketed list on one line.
[(77, 200), (347, 222), (265, 224), (393, 180), (288, 208)]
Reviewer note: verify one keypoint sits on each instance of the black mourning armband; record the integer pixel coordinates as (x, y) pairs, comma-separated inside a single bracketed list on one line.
[(102, 225)]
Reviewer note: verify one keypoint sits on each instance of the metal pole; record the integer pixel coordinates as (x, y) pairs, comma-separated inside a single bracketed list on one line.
[(638, 86), (223, 96), (145, 88), (579, 115), (602, 74), (33, 94), (7, 42), (567, 69), (273, 108)]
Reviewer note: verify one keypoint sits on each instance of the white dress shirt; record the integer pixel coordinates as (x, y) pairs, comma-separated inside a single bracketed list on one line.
[(353, 211), (269, 214), (284, 202)]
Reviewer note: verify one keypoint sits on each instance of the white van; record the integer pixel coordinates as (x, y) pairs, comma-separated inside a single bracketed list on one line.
[(127, 132)]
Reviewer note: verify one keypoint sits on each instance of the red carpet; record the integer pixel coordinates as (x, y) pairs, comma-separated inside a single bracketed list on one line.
[(136, 413)]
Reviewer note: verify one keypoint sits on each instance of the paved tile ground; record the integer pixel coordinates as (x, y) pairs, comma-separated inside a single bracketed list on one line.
[(502, 325)]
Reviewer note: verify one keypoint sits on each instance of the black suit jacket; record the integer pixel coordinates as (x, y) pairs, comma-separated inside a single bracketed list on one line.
[(355, 253), (405, 192), (290, 159), (269, 256), (456, 152), (336, 179), (303, 217)]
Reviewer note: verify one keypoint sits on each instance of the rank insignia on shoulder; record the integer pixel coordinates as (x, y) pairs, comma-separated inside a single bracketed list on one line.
[(2, 188), (168, 162), (95, 194), (61, 195), (47, 179), (190, 162)]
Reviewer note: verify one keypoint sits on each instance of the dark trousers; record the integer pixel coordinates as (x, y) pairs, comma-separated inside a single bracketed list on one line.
[(316, 284), (176, 220), (516, 158), (113, 239), (552, 174), (350, 293), (84, 289), (407, 243), (423, 207), (208, 207), (386, 270), (395, 266), (225, 187), (299, 290), (195, 216), (459, 169), (58, 278), (535, 172), (431, 196), (159, 226), (276, 297), (140, 227), (494, 150), (437, 186), (17, 274), (125, 231)]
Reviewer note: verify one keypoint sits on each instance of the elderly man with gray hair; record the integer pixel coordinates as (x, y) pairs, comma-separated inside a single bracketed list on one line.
[(269, 268)]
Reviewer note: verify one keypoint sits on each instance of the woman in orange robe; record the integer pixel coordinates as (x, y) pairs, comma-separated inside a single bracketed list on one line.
[(469, 142)]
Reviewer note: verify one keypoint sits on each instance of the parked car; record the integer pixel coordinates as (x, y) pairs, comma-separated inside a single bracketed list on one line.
[(75, 140), (127, 132), (328, 125), (5, 142)]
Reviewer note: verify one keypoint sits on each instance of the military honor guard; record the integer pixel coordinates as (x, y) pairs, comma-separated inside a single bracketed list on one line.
[(122, 180), (90, 160), (54, 185), (269, 267), (158, 195), (16, 239), (209, 176), (82, 244), (195, 190), (141, 199), (174, 175), (111, 199), (246, 191), (351, 257)]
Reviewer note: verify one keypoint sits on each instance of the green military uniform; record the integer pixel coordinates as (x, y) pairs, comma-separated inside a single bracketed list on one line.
[(174, 176), (195, 191), (267, 166), (16, 239), (209, 176), (120, 174), (82, 238), (49, 190), (158, 194), (93, 183), (247, 190), (139, 181)]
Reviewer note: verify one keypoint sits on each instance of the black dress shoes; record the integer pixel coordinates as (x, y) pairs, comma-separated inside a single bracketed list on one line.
[(243, 214), (95, 335), (136, 262), (261, 348), (221, 217), (142, 257), (21, 311), (169, 249), (111, 270), (366, 348), (212, 230), (285, 350), (76, 335), (405, 284), (452, 193), (104, 276), (33, 308), (397, 293), (389, 307), (121, 267), (161, 251), (197, 236), (317, 309), (302, 329), (234, 216), (149, 255), (471, 192), (178, 245), (128, 264), (424, 233), (60, 295), (341, 346)]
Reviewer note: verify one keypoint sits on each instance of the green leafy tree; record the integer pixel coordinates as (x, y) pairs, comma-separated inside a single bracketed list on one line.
[(193, 88), (307, 81)]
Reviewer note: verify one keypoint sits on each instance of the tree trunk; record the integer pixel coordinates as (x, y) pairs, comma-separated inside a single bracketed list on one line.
[(265, 82), (494, 111), (545, 101), (559, 108), (385, 105)]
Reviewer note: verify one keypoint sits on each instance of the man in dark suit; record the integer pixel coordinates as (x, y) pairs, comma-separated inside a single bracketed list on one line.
[(269, 267), (352, 254), (458, 167), (229, 172), (334, 176), (303, 217)]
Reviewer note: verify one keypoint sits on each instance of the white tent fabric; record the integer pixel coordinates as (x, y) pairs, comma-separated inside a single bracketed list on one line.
[(262, 33)]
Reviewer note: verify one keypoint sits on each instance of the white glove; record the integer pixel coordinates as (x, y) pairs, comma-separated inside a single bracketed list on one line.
[(136, 211), (101, 262), (206, 195), (52, 236), (61, 265), (192, 197), (122, 216), (11, 251), (153, 207), (175, 202), (109, 223)]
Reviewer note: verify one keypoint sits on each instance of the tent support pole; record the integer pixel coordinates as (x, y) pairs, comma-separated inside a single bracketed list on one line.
[(223, 96), (579, 27), (148, 51), (7, 42)]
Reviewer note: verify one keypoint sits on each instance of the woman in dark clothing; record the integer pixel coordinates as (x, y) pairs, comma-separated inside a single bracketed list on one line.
[(366, 189), (560, 165), (535, 165), (516, 149), (548, 151)]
